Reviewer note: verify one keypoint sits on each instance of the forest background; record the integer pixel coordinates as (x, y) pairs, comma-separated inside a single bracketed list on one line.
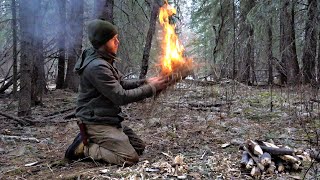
[(249, 54)]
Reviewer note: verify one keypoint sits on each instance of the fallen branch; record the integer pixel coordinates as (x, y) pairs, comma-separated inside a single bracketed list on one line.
[(203, 83), (207, 104), (70, 115), (59, 112), (315, 100), (315, 155), (5, 86), (19, 120), (31, 139)]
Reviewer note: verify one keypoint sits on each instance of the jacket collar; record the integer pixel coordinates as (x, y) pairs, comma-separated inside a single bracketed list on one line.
[(109, 57)]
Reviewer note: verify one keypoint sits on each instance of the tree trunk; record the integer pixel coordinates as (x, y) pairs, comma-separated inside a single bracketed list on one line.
[(14, 47), (310, 45), (147, 47), (246, 51), (318, 59), (61, 44), (234, 40), (289, 60), (27, 24), (269, 52), (75, 43), (38, 80), (103, 9)]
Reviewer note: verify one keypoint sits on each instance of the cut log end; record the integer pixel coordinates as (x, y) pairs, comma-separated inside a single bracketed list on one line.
[(265, 159)]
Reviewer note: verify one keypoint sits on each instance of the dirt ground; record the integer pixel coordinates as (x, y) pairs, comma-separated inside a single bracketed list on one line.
[(199, 125)]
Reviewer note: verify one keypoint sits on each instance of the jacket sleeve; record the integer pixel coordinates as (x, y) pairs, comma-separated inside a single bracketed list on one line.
[(103, 79), (132, 83)]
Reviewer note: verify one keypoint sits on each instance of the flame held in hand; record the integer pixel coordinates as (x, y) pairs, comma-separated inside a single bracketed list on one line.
[(172, 60)]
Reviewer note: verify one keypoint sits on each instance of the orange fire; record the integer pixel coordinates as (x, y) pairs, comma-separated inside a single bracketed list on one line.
[(172, 60)]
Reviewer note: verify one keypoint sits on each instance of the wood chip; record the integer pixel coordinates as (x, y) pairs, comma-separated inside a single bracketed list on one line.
[(31, 164), (152, 169), (103, 171), (225, 145)]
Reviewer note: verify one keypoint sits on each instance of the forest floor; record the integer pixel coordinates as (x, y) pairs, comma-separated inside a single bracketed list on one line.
[(204, 124)]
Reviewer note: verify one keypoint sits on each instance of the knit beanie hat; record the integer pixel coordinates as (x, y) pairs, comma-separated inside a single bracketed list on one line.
[(100, 31)]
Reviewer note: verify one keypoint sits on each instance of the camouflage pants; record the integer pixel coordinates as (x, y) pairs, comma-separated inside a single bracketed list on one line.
[(114, 145)]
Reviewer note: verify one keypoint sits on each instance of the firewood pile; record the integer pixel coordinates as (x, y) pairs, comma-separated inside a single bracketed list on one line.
[(260, 157)]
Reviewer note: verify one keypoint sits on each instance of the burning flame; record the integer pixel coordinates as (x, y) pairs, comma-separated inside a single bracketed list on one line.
[(172, 59)]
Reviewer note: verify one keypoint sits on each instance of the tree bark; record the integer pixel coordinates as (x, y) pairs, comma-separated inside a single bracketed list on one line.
[(147, 47), (27, 25), (103, 9), (75, 43), (289, 60), (310, 45), (234, 72), (14, 47), (318, 60), (61, 44)]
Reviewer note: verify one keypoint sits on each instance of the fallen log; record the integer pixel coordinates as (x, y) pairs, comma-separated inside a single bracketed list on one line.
[(277, 151)]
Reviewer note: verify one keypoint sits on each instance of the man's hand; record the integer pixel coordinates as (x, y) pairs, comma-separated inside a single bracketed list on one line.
[(160, 83)]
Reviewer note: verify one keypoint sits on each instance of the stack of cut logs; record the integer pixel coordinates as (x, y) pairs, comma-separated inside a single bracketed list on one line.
[(267, 158)]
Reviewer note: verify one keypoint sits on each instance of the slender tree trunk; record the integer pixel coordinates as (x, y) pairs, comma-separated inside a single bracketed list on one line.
[(269, 52), (75, 43), (234, 72), (27, 24), (251, 57), (61, 44), (246, 36), (39, 82), (14, 47), (147, 47), (295, 73), (289, 60), (310, 45), (103, 9)]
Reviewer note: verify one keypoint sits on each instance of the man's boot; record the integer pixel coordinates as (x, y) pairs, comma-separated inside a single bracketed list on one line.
[(76, 150)]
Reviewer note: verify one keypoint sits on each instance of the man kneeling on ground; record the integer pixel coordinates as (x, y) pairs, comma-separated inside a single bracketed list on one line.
[(101, 93)]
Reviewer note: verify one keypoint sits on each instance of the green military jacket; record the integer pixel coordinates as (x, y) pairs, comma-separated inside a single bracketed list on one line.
[(103, 90)]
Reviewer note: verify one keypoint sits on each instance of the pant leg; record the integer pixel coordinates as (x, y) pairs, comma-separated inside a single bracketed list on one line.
[(134, 139), (110, 144)]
